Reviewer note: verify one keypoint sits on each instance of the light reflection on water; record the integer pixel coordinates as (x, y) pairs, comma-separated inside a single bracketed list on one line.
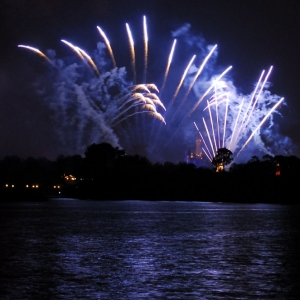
[(70, 249)]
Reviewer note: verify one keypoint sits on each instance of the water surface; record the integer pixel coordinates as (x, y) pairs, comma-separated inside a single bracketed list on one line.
[(71, 249)]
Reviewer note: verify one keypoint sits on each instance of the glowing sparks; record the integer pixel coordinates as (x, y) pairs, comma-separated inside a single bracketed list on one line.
[(217, 99), (209, 158), (212, 148), (107, 43), (110, 99), (145, 100), (155, 99), (225, 122), (82, 54), (257, 97), (260, 124), (35, 50), (235, 124), (140, 87), (152, 86), (159, 117), (249, 105), (212, 128), (199, 71), (89, 59), (209, 89), (183, 78), (74, 48), (169, 63), (132, 52), (94, 102), (145, 48), (203, 140)]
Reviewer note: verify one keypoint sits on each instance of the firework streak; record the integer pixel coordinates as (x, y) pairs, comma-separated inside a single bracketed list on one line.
[(93, 100)]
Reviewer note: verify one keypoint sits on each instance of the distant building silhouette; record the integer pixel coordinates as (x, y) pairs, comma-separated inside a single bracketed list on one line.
[(193, 155)]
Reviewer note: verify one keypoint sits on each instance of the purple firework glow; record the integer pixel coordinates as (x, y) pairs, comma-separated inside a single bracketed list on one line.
[(94, 101)]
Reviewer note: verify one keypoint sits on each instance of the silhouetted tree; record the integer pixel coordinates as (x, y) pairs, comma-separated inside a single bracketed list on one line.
[(102, 154), (254, 159), (100, 158), (222, 159), (268, 158)]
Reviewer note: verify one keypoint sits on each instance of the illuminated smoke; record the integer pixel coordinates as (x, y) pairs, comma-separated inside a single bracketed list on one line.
[(93, 100), (242, 123)]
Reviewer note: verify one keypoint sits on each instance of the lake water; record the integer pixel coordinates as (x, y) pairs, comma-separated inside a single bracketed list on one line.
[(71, 249)]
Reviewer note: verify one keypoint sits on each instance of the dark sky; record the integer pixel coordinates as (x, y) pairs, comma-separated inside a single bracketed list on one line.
[(251, 36)]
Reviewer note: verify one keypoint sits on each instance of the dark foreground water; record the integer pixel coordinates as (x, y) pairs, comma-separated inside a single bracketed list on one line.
[(70, 249)]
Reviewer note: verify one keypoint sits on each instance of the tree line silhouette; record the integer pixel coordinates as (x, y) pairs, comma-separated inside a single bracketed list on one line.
[(107, 173)]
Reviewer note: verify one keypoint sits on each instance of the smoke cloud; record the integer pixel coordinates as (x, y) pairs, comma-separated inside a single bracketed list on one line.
[(90, 107)]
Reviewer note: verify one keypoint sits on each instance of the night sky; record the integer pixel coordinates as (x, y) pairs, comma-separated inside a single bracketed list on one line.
[(251, 36)]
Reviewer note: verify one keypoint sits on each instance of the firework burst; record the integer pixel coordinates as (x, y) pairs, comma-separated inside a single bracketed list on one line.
[(238, 126), (94, 101), (98, 106)]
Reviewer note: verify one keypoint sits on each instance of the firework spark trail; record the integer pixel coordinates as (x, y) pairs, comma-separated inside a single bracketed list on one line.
[(260, 124), (218, 125), (74, 48), (150, 101), (179, 86), (203, 140), (216, 103), (158, 116), (170, 58), (107, 43), (154, 98), (154, 114), (217, 117), (258, 95), (140, 87), (212, 102), (147, 107), (192, 84), (140, 98), (208, 90), (36, 51), (235, 124), (257, 127), (129, 95), (110, 99), (123, 109), (207, 132), (169, 64), (212, 127), (209, 158), (209, 104), (82, 54), (199, 72), (249, 105), (89, 60), (152, 86), (197, 104), (183, 78), (225, 122), (132, 52), (119, 105), (145, 48)]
